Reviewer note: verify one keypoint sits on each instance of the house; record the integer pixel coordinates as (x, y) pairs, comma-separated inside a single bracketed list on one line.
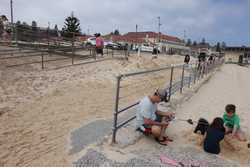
[(233, 52), (168, 44), (201, 48)]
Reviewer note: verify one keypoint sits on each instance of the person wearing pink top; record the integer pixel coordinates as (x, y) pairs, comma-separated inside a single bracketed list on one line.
[(99, 44)]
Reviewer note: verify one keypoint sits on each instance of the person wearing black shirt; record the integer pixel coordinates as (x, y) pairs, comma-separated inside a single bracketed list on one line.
[(214, 135)]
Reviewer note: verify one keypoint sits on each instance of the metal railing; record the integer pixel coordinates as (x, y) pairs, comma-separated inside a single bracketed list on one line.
[(40, 44), (195, 72)]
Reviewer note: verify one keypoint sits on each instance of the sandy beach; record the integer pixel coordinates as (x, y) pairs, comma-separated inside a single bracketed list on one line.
[(39, 108), (206, 99)]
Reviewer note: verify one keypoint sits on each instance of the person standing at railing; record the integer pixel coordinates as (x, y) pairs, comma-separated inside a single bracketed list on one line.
[(99, 44), (149, 120), (187, 59)]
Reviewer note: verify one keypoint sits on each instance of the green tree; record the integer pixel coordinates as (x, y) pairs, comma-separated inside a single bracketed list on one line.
[(218, 48), (189, 42), (194, 43), (34, 30), (223, 45), (3, 18), (72, 25), (1, 28), (24, 31), (203, 41), (116, 32)]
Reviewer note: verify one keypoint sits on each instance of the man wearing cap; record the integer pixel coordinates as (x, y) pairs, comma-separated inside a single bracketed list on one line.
[(149, 120)]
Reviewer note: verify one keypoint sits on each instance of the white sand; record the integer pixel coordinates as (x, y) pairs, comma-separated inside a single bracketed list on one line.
[(228, 85), (39, 108)]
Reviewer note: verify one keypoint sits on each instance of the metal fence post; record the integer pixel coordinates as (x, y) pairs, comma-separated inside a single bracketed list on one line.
[(189, 79), (116, 108), (195, 71), (171, 82), (182, 78), (73, 52), (202, 70), (42, 60)]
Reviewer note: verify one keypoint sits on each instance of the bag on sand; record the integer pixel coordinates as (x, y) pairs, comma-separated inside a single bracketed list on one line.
[(202, 126)]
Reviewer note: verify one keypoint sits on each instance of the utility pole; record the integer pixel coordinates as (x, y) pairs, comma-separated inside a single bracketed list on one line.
[(11, 10), (159, 28), (136, 30), (12, 25), (184, 37)]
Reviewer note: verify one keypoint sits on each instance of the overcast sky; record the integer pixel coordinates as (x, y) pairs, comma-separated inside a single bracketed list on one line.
[(215, 20)]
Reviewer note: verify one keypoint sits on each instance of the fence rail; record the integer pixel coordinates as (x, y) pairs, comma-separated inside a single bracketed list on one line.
[(28, 42), (193, 72)]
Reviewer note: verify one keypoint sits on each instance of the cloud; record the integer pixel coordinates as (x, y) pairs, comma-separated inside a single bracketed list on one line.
[(212, 19)]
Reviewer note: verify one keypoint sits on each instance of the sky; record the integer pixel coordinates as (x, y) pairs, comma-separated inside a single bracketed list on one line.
[(214, 20)]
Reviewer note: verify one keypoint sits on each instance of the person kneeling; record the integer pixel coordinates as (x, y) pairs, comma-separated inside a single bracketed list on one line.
[(232, 123), (149, 120), (214, 135)]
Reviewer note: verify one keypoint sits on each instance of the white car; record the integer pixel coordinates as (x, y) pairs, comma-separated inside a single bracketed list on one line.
[(146, 48), (91, 41)]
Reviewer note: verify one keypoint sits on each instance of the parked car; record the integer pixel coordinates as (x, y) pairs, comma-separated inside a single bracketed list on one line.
[(112, 45), (146, 48), (90, 41)]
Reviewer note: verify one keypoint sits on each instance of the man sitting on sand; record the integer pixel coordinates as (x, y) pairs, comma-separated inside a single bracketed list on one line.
[(232, 123), (149, 120)]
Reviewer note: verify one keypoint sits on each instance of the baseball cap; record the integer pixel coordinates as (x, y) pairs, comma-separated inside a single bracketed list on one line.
[(163, 94)]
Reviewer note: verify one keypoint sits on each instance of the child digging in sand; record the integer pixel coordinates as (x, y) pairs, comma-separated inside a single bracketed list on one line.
[(232, 123)]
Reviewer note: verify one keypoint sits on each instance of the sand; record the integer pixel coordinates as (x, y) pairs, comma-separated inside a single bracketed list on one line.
[(39, 108), (230, 84)]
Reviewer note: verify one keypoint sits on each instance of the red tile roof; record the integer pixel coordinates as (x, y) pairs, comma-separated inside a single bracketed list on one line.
[(150, 34), (139, 37), (83, 37)]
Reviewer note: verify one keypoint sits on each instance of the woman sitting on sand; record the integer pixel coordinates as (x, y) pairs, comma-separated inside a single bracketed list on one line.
[(214, 135)]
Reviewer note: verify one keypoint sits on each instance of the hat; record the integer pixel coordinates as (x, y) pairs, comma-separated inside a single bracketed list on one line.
[(163, 94)]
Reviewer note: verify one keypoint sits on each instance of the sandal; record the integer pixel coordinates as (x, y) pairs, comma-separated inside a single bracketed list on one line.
[(161, 142), (167, 138)]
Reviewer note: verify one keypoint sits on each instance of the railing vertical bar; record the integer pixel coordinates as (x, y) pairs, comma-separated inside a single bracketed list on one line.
[(182, 78), (171, 82), (42, 60), (116, 108)]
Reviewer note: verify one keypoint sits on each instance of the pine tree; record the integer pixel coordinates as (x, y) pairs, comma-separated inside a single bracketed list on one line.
[(203, 41), (194, 43), (34, 30), (218, 48), (223, 45), (116, 32), (72, 25), (189, 42), (1, 28)]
